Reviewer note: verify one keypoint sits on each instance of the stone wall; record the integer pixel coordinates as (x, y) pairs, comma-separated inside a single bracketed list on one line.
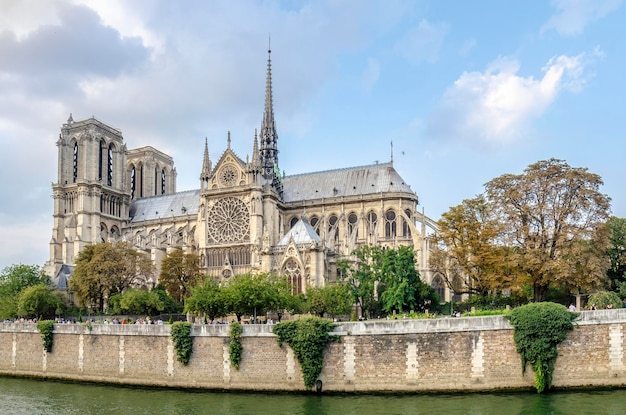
[(449, 354)]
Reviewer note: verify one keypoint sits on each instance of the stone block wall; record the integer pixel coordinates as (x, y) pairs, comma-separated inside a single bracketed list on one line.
[(469, 354)]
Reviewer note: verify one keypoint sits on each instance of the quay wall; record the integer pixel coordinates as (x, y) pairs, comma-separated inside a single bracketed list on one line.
[(437, 355)]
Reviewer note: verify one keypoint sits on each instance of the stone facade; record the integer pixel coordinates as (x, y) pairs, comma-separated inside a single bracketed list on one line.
[(454, 354), (246, 216)]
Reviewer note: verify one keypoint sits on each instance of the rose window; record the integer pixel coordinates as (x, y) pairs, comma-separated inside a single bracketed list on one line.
[(228, 220)]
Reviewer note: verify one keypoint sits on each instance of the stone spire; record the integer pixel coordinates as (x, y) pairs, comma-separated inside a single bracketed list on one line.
[(256, 162), (205, 175), (269, 137)]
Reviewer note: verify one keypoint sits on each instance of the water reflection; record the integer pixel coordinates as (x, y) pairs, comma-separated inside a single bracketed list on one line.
[(25, 396)]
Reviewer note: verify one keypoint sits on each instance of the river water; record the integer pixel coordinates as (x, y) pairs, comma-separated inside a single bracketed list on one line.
[(35, 397)]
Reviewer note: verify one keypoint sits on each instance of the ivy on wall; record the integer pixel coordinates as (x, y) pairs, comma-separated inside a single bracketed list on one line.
[(307, 337), (539, 328), (235, 349), (181, 336), (46, 327)]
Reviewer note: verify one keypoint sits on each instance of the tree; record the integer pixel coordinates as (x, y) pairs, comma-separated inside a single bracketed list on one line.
[(616, 251), (467, 253), (105, 269), (13, 280), (361, 275), (334, 300), (40, 301), (207, 298), (249, 294), (179, 272), (549, 213), (401, 287), (140, 301)]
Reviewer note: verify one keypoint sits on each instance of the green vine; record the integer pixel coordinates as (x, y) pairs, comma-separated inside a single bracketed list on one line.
[(235, 348), (46, 327), (307, 337), (539, 328), (181, 336)]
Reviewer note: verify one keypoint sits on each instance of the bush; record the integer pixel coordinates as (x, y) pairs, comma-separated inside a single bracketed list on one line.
[(307, 337), (46, 327), (539, 328), (235, 349), (181, 336), (604, 299)]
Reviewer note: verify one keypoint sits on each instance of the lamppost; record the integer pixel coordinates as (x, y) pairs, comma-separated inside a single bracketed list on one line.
[(451, 303)]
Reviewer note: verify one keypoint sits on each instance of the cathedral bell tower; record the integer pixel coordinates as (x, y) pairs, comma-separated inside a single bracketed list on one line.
[(90, 199)]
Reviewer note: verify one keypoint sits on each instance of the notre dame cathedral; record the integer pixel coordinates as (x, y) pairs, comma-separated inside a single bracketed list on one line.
[(245, 217)]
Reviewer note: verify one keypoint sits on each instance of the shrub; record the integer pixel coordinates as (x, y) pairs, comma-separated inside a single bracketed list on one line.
[(604, 299), (235, 348), (181, 336), (307, 337), (539, 328), (46, 327)]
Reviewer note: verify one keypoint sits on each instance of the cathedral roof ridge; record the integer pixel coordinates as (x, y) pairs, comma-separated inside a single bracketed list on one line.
[(364, 166), (91, 120)]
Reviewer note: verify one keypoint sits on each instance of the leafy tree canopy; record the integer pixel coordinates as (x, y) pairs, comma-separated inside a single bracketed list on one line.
[(207, 298), (13, 280), (179, 272), (552, 216), (333, 300), (40, 301), (105, 269)]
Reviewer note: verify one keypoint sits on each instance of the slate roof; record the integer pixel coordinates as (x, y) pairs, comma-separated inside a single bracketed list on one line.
[(165, 206), (302, 233), (351, 181)]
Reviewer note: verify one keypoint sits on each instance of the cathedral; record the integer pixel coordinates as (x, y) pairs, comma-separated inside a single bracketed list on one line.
[(245, 216)]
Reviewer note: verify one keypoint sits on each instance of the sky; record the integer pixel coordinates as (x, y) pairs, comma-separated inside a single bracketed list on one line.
[(465, 90)]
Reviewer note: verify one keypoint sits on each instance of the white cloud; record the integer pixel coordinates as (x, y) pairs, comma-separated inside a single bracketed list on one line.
[(497, 106), (574, 15), (423, 42)]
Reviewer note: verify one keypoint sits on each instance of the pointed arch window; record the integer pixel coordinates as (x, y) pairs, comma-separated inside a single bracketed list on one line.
[(371, 223), (156, 181), (101, 159), (390, 224), (163, 181), (293, 273), (406, 229), (352, 225), (293, 222), (110, 166), (314, 222), (133, 181), (75, 163), (333, 231)]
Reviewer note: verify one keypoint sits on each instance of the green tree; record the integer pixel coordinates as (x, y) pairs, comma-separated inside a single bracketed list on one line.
[(40, 301), (616, 251), (361, 273), (140, 301), (13, 280), (467, 253), (207, 298), (179, 273), (333, 300), (550, 213), (105, 269), (249, 294)]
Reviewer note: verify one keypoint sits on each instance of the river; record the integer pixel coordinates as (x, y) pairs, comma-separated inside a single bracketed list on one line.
[(37, 397)]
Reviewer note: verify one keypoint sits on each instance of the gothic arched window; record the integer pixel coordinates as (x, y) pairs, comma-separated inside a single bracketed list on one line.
[(110, 166), (133, 181), (292, 271), (314, 221), (333, 231), (371, 223), (163, 181), (293, 222), (390, 224), (406, 229), (352, 227), (75, 163)]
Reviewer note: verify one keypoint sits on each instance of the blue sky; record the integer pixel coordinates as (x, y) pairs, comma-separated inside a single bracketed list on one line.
[(466, 90)]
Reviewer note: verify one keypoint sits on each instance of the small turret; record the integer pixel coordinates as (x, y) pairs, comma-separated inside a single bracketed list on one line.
[(205, 175)]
